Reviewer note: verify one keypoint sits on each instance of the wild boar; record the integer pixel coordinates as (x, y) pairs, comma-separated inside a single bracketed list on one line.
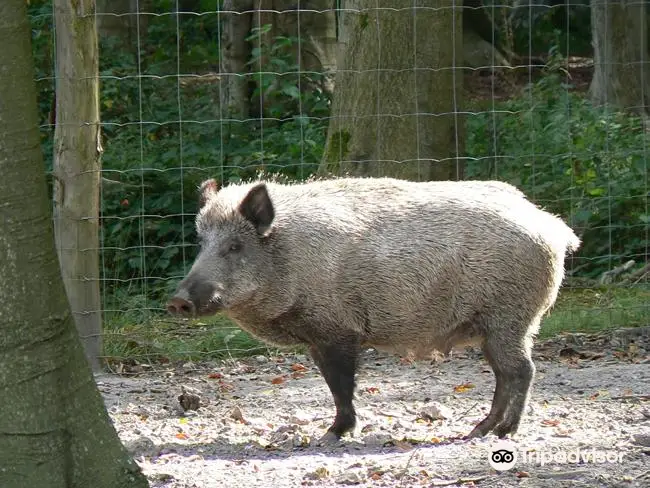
[(343, 264)]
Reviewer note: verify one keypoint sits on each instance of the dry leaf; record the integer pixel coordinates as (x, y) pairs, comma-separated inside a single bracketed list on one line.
[(298, 367), (215, 376), (223, 386), (522, 474), (464, 387), (373, 390), (404, 446), (551, 422), (182, 435), (563, 432), (278, 380)]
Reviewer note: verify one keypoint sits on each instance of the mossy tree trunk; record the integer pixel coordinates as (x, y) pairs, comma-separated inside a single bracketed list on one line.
[(55, 431), (76, 172), (398, 92), (621, 70), (235, 54)]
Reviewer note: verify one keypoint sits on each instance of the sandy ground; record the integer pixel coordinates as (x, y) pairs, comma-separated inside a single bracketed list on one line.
[(588, 423)]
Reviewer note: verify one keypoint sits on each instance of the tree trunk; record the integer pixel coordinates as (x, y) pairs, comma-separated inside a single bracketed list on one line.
[(77, 167), (55, 432), (395, 110), (117, 18), (311, 21), (235, 53), (621, 71)]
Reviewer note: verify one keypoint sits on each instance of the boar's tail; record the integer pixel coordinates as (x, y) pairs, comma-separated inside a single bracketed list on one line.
[(574, 242)]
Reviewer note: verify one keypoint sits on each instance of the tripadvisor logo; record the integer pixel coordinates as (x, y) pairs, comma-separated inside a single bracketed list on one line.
[(502, 455)]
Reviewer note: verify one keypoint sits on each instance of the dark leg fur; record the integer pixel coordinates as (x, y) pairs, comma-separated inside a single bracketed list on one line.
[(514, 371), (338, 363)]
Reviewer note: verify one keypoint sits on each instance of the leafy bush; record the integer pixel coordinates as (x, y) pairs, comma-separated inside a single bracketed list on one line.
[(585, 163), (154, 167), (163, 134)]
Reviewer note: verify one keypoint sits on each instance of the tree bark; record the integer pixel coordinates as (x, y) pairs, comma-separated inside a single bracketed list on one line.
[(76, 171), (621, 71), (235, 53), (117, 18), (313, 22), (399, 89), (56, 432)]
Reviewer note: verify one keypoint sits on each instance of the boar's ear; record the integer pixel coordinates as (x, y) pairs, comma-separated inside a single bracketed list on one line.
[(207, 188), (257, 208)]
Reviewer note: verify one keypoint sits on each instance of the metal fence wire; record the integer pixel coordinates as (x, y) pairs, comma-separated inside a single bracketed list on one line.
[(527, 93)]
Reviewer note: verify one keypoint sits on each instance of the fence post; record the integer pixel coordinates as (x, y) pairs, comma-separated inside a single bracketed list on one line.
[(76, 168)]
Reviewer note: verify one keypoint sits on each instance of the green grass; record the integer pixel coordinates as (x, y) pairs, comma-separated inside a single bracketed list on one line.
[(587, 310), (591, 310), (168, 339)]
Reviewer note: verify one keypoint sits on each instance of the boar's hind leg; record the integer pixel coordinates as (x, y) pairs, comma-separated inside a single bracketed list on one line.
[(514, 371), (337, 362)]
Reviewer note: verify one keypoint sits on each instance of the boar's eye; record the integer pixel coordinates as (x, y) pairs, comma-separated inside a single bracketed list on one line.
[(234, 247)]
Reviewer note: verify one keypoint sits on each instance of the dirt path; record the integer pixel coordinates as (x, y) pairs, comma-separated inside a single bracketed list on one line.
[(253, 428)]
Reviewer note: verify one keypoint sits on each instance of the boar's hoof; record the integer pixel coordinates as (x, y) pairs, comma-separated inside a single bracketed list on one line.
[(483, 427), (329, 439), (180, 306)]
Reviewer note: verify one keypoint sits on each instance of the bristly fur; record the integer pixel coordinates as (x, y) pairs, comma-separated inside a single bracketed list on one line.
[(404, 267)]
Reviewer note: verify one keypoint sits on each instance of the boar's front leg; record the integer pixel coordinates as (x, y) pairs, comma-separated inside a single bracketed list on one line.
[(337, 361)]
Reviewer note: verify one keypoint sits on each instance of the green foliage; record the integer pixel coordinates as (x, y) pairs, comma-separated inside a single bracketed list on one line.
[(592, 310), (584, 163), (164, 132), (156, 165)]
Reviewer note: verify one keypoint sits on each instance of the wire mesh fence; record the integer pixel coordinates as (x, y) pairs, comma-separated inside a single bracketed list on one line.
[(196, 89)]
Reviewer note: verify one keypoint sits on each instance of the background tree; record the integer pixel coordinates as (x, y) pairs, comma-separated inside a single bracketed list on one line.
[(56, 433), (117, 18), (621, 70), (313, 22), (398, 92), (77, 167)]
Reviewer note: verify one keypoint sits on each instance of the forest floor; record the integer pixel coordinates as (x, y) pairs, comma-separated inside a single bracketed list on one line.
[(254, 421), (486, 86)]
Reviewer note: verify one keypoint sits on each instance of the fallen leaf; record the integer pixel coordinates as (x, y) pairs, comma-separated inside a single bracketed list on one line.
[(182, 435), (373, 390), (237, 415), (215, 376), (298, 367), (522, 474), (551, 422), (464, 387), (296, 375), (563, 432), (278, 380), (404, 446), (436, 440), (223, 386), (319, 473), (375, 476)]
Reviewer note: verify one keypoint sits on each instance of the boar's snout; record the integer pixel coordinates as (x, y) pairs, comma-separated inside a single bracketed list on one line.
[(195, 296), (180, 306)]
